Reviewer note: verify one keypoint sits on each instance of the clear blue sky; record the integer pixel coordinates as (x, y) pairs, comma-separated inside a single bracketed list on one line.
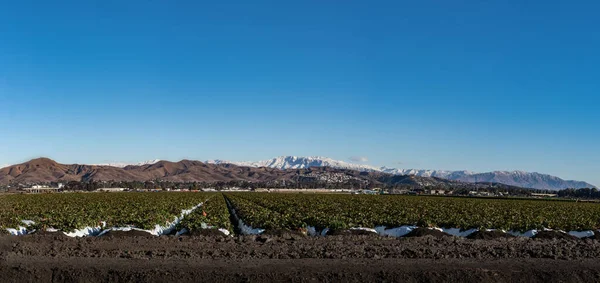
[(476, 85)]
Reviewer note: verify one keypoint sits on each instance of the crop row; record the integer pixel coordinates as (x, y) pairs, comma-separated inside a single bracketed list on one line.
[(213, 213), (259, 217), (290, 211), (68, 212)]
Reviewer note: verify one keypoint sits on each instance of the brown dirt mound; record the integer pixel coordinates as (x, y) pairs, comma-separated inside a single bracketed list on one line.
[(349, 233), (46, 233), (125, 234), (489, 235), (420, 232), (553, 235), (284, 233), (205, 232)]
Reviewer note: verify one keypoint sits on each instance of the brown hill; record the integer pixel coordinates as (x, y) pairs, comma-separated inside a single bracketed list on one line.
[(37, 170), (45, 170)]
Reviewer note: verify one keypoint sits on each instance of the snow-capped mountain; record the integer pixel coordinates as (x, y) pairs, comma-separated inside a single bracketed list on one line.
[(295, 162), (514, 178), (444, 174), (524, 179), (122, 164)]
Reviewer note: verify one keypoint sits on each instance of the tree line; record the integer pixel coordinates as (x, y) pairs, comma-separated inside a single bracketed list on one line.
[(585, 193)]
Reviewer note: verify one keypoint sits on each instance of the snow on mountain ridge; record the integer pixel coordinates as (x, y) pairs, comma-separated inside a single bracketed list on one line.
[(122, 164), (295, 162), (515, 178)]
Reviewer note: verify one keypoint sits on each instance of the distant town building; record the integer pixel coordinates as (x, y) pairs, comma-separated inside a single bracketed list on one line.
[(366, 192), (40, 189), (480, 194), (111, 190), (544, 195)]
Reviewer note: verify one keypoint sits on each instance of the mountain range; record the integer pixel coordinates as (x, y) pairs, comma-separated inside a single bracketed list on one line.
[(280, 168), (512, 178), (44, 170)]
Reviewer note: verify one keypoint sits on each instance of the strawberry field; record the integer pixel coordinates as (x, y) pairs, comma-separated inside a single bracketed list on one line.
[(67, 212), (290, 211), (213, 214), (194, 211)]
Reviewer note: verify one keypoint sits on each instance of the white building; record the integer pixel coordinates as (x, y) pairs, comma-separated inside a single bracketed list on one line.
[(40, 189), (111, 190)]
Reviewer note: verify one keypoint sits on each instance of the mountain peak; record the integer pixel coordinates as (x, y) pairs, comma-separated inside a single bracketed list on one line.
[(298, 162), (42, 161), (125, 164)]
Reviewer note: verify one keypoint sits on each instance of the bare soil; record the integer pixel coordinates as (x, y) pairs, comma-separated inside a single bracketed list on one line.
[(121, 234), (553, 235), (293, 258), (489, 235), (205, 232), (346, 232), (420, 232)]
